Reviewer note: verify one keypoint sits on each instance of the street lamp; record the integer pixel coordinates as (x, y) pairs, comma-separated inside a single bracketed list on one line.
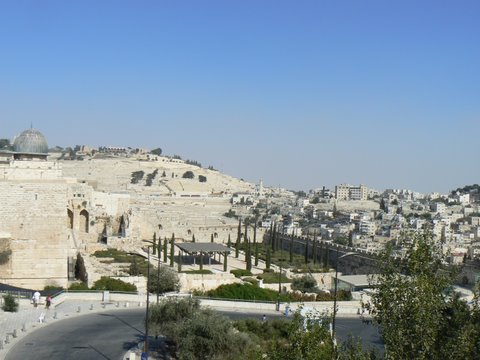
[(145, 345), (335, 291)]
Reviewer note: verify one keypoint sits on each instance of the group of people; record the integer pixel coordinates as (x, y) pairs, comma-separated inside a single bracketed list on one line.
[(36, 300)]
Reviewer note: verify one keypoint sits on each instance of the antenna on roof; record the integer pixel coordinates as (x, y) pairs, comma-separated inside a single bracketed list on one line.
[(31, 124)]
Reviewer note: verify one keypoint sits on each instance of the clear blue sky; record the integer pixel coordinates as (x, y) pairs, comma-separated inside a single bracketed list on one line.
[(298, 93)]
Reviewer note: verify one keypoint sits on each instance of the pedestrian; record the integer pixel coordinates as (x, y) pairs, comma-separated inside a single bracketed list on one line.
[(48, 302), (36, 298), (264, 318)]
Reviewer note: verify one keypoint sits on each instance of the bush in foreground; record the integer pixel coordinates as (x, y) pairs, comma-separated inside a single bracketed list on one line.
[(107, 283), (9, 303), (197, 333), (245, 292), (78, 286)]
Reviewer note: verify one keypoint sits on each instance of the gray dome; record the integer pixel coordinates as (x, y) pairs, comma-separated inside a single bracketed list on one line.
[(30, 141)]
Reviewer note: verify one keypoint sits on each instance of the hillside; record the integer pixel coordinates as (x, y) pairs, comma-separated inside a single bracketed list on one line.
[(161, 176)]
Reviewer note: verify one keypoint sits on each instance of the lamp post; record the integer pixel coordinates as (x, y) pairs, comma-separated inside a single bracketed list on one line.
[(158, 279), (335, 290), (145, 345), (279, 284)]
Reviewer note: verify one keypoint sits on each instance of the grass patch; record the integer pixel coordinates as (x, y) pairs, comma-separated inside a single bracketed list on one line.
[(272, 278), (202, 272), (116, 255), (244, 292), (241, 272), (138, 264)]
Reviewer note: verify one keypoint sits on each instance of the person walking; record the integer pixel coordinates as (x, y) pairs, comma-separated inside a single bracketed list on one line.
[(36, 298), (48, 302)]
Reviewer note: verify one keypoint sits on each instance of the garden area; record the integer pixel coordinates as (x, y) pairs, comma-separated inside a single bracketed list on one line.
[(195, 333), (136, 264)]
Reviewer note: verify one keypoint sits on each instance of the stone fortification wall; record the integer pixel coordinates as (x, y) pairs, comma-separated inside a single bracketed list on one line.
[(34, 214), (111, 204), (32, 170), (182, 216)]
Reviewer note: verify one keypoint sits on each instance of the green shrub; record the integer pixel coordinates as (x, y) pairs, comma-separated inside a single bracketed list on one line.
[(136, 177), (188, 175), (52, 288), (251, 280), (78, 286), (272, 278), (163, 280), (241, 272), (305, 283), (199, 272), (107, 283), (9, 303), (245, 292), (266, 330)]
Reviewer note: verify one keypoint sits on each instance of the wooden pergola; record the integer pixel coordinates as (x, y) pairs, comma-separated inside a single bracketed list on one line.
[(207, 248)]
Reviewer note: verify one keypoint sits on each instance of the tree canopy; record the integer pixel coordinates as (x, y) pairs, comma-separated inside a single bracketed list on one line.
[(163, 280), (419, 314)]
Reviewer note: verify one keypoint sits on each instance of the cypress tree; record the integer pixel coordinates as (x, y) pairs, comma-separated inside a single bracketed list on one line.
[(165, 249), (211, 238), (268, 259), (255, 232), (280, 240), (256, 254), (274, 240), (246, 231), (179, 262), (201, 261), (321, 254), (159, 248), (314, 247), (193, 238), (229, 242), (291, 249), (306, 250), (225, 265), (327, 257), (154, 243), (239, 234), (248, 257), (271, 235), (172, 250)]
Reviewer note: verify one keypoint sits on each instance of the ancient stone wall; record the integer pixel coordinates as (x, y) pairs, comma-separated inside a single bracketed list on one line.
[(34, 214)]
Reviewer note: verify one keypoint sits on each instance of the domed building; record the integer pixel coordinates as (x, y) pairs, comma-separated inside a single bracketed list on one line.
[(46, 219), (34, 246), (30, 145)]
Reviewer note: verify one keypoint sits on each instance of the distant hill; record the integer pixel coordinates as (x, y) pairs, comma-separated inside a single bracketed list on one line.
[(161, 176)]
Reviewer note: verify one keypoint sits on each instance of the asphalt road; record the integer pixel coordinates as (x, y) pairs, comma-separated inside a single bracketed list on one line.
[(105, 335), (108, 335)]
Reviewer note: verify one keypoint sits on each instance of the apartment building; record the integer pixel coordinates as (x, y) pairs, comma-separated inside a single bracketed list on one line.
[(351, 192)]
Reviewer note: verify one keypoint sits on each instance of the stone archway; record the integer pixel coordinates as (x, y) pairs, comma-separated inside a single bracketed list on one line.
[(84, 221), (70, 218)]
